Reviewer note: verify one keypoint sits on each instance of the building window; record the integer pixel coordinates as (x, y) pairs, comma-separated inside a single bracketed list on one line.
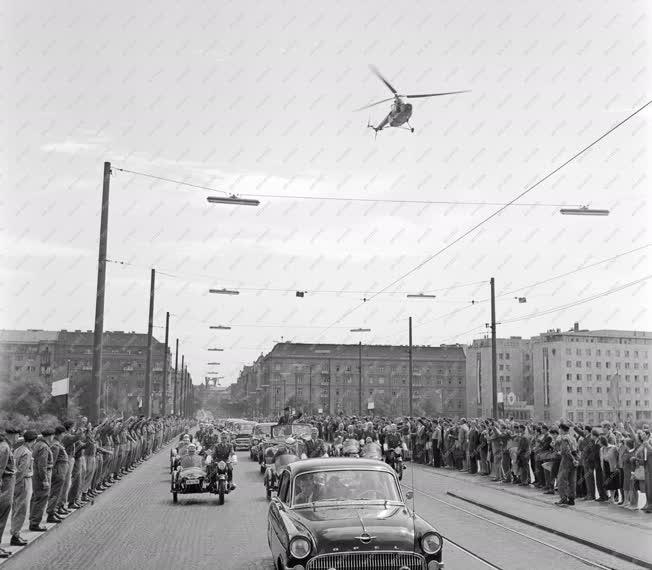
[(500, 356), (569, 403), (598, 377), (578, 351), (569, 389), (570, 416), (587, 352), (500, 367), (589, 377), (598, 364), (599, 389), (507, 356), (627, 354), (579, 389), (580, 403), (628, 403), (588, 364), (578, 376), (578, 364), (568, 352), (569, 376), (598, 352), (569, 364), (589, 403)]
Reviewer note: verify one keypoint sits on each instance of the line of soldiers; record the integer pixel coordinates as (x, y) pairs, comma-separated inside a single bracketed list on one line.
[(62, 469)]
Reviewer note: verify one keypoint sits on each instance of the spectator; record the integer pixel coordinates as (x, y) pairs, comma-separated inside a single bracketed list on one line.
[(23, 489)]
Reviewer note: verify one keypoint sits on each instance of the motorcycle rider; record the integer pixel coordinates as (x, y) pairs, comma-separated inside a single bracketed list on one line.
[(372, 450), (223, 451), (191, 459), (393, 440), (315, 447)]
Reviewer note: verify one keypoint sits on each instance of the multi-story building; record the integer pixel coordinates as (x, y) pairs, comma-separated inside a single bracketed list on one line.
[(514, 378), (326, 378), (592, 376), (55, 354)]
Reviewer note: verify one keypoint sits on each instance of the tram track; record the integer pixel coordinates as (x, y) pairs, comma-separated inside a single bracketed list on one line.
[(504, 527)]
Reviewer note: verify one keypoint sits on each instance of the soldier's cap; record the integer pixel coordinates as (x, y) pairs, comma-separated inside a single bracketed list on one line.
[(554, 430), (30, 435), (286, 409), (59, 430), (596, 432), (587, 428), (11, 430), (47, 431), (564, 426)]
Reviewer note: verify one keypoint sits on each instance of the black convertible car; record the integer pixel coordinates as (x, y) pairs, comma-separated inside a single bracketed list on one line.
[(345, 514)]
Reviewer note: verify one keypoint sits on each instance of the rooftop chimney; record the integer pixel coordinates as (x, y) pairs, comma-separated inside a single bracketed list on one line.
[(576, 327)]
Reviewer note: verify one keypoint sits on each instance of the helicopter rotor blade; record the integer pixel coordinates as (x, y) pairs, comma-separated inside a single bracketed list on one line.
[(374, 104), (377, 73), (433, 94)]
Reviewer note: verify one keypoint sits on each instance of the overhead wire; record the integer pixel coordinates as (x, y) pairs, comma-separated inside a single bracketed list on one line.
[(494, 214), (343, 199)]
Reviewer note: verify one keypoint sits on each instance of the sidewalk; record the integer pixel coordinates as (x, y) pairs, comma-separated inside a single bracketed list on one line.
[(605, 526)]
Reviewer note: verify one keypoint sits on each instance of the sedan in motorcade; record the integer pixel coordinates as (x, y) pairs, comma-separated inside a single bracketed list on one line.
[(345, 513)]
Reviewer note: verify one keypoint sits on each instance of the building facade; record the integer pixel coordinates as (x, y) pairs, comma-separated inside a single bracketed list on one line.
[(326, 378), (57, 354), (514, 378), (592, 376)]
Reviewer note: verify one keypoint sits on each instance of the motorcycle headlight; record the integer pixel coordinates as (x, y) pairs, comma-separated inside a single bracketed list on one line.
[(300, 547), (221, 465), (431, 543)]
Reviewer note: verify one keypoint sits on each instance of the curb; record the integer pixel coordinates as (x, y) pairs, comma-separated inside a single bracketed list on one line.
[(53, 526), (583, 541)]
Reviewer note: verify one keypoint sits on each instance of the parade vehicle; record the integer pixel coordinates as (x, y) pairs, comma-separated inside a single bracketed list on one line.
[(401, 111), (261, 434), (343, 513), (282, 449), (243, 435), (209, 478)]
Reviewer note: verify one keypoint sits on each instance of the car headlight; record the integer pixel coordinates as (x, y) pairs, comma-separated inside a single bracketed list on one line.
[(300, 547), (431, 543)]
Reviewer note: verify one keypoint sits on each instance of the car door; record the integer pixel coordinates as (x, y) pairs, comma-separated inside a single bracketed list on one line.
[(277, 530)]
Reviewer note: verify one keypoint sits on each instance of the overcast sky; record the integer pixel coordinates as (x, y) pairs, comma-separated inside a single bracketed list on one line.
[(258, 98)]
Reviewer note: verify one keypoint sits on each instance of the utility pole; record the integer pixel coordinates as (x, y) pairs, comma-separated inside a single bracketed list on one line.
[(96, 384), (175, 409), (183, 379), (410, 368), (310, 388), (360, 370), (494, 366), (164, 389), (147, 404)]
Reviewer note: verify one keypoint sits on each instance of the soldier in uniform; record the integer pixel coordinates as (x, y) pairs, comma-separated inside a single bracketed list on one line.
[(567, 474), (59, 468), (315, 447), (23, 489), (7, 480), (41, 480), (223, 451)]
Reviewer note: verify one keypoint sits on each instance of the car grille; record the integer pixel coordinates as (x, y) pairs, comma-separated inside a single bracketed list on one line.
[(367, 561)]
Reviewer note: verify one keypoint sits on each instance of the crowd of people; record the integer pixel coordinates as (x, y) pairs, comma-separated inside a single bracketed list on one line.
[(53, 471), (606, 463)]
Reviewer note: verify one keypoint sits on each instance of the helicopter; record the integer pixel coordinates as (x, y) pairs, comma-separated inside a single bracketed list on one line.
[(401, 111)]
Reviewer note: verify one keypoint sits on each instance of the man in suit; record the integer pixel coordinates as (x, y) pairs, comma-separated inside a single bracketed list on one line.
[(41, 480)]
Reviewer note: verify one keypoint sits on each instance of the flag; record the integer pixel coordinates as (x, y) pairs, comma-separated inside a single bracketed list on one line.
[(614, 392), (61, 387)]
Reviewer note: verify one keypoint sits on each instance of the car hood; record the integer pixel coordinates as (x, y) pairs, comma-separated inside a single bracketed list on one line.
[(337, 527)]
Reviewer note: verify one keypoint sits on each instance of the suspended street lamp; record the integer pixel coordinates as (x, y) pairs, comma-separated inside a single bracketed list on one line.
[(420, 296), (224, 291), (233, 199), (360, 330), (220, 328), (583, 211), (216, 350)]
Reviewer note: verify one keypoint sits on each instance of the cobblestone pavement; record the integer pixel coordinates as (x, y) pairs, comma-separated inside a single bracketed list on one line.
[(135, 525)]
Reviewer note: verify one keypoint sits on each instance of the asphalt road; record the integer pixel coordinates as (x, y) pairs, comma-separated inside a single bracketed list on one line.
[(135, 525)]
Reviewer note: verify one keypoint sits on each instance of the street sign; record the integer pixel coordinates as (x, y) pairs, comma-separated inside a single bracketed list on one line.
[(61, 387), (320, 410), (500, 398)]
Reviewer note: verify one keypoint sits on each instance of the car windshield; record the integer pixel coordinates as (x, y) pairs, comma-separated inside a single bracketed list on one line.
[(345, 485), (245, 428), (294, 430)]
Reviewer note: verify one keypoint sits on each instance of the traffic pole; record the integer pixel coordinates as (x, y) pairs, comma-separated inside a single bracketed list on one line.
[(494, 366), (164, 389), (175, 409), (96, 374), (181, 387), (410, 368), (360, 378), (147, 404)]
